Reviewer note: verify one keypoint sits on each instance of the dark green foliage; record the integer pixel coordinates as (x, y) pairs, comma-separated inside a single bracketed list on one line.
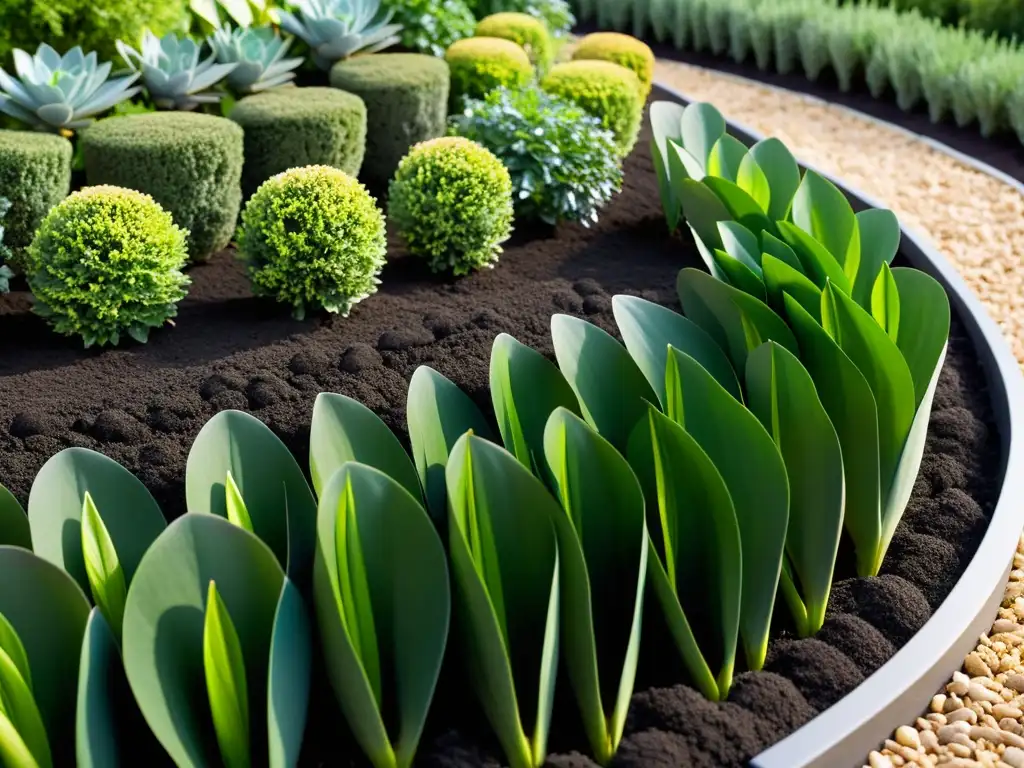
[(35, 175), (406, 97), (1004, 17), (105, 263), (563, 164), (293, 127), (189, 163), (430, 26), (313, 238)]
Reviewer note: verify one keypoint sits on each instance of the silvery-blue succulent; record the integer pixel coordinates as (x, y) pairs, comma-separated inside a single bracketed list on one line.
[(258, 52), (172, 72), (55, 92), (336, 29)]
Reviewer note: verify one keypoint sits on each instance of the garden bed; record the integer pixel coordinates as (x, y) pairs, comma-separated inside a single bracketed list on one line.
[(144, 404)]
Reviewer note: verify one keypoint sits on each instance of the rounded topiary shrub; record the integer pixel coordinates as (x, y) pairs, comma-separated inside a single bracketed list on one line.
[(606, 90), (481, 64), (35, 175), (294, 127), (526, 31), (313, 238), (406, 97), (106, 263), (621, 49), (451, 199), (189, 163)]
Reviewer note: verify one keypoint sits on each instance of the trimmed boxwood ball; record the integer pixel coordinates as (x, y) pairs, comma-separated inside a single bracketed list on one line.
[(481, 64), (624, 50), (606, 90), (294, 127), (189, 163), (406, 97), (451, 199), (313, 238), (35, 175), (526, 31), (105, 263)]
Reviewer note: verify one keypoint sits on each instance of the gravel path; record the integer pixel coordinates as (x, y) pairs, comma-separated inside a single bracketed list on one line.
[(977, 222)]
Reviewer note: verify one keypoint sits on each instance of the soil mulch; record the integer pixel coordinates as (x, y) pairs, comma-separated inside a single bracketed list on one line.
[(144, 404)]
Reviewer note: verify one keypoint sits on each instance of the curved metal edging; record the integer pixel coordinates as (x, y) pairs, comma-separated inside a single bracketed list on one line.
[(899, 691)]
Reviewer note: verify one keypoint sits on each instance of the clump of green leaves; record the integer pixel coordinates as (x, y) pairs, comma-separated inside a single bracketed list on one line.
[(563, 164), (313, 238), (472, 187), (106, 263), (5, 253), (431, 26)]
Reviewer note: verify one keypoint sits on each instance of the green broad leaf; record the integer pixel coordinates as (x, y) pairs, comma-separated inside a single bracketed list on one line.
[(289, 674), (781, 279), (206, 10), (822, 211), (847, 398), (19, 706), (666, 124), (102, 566), (164, 629), (14, 753), (816, 261), (752, 180), (129, 512), (879, 241), (771, 245), (707, 256), (696, 566), (526, 388), (343, 430), (280, 504), (740, 243), (239, 11), (11, 644), (669, 204), (702, 210), (611, 388), (234, 505), (725, 158), (739, 275), (226, 686), (758, 486), (727, 313), (602, 545), (885, 303), (14, 527), (408, 602), (924, 326), (781, 172), (783, 397), (882, 363), (648, 329), (894, 505), (740, 205), (682, 165), (505, 576), (701, 126), (438, 414)]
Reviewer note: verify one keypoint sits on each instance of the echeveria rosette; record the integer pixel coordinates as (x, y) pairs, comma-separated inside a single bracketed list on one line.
[(564, 165), (54, 92), (172, 71), (259, 55), (337, 29)]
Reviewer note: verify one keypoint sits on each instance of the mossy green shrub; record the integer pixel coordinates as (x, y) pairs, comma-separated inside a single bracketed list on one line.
[(35, 175), (606, 90), (189, 163), (294, 127), (106, 263), (622, 49), (451, 199), (481, 64), (526, 31), (406, 97), (313, 238)]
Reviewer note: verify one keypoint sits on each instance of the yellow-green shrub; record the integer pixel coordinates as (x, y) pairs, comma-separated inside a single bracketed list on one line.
[(622, 49), (478, 65), (524, 30)]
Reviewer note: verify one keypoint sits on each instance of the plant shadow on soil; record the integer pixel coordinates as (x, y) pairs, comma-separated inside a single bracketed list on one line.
[(144, 405)]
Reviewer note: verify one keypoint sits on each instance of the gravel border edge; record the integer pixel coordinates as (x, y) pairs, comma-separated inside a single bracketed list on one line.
[(898, 691)]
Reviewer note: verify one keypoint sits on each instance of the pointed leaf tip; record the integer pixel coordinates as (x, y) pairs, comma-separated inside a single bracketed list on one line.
[(225, 682), (235, 504), (102, 566)]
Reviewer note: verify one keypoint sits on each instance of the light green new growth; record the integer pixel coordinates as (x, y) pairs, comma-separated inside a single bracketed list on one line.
[(235, 505), (102, 566), (23, 739), (226, 685)]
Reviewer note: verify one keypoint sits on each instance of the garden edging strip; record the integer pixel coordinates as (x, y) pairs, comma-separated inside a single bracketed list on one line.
[(900, 689)]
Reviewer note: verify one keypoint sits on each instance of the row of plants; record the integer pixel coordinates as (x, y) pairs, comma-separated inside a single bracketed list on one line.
[(1002, 17), (957, 73), (608, 488)]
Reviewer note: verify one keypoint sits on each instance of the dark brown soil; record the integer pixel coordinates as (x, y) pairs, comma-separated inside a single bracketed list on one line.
[(143, 405)]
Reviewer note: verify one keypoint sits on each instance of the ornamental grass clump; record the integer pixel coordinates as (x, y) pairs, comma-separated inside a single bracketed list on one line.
[(106, 263), (313, 238), (451, 199), (564, 165), (527, 31), (480, 64)]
